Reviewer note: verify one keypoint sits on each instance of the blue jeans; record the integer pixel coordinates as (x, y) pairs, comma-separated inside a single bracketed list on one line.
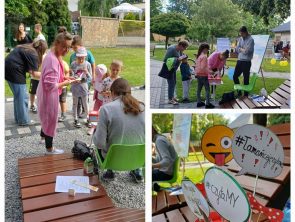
[(20, 103), (171, 85)]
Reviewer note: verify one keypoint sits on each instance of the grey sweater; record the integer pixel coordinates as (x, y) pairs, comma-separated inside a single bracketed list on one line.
[(248, 45), (165, 154), (172, 52), (116, 127)]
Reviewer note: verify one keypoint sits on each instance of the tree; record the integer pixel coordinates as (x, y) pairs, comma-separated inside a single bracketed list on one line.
[(38, 12), (99, 8), (214, 18), (182, 6), (16, 7), (274, 119), (170, 25), (266, 9), (155, 7)]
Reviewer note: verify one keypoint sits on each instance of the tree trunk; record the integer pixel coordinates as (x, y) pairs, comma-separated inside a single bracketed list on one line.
[(211, 48), (166, 42), (260, 119)]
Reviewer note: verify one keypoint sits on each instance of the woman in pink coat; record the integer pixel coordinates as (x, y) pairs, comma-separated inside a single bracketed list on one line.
[(50, 87)]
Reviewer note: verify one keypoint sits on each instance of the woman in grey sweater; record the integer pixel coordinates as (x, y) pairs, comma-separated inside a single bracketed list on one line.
[(120, 122), (164, 160)]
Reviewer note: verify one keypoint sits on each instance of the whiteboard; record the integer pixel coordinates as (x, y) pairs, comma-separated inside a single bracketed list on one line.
[(181, 133), (223, 44), (260, 44)]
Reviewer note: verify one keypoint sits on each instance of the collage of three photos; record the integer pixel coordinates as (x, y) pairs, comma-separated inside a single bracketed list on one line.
[(217, 105)]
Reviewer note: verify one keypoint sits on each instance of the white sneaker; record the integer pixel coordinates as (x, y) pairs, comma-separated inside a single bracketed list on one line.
[(54, 151), (42, 141)]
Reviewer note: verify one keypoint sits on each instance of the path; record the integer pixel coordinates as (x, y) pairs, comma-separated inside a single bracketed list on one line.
[(159, 88), (12, 130)]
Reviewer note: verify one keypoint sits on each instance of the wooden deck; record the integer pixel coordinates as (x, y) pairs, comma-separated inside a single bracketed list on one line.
[(279, 99), (41, 203)]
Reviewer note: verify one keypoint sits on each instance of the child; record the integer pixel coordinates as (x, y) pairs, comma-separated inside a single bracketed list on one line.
[(81, 71), (38, 31), (101, 74), (202, 71), (115, 69), (186, 79), (63, 95)]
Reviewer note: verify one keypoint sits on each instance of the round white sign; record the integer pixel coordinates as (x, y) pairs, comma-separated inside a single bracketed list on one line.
[(226, 196), (195, 199), (258, 151)]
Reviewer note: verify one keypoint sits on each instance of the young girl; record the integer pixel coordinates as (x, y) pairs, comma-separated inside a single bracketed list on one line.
[(101, 74), (202, 71), (115, 69), (81, 71)]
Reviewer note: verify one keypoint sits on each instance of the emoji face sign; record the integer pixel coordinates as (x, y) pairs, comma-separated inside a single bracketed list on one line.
[(216, 144)]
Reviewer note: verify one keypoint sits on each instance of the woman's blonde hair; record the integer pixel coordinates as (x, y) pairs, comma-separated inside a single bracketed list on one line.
[(120, 87), (62, 37), (116, 62)]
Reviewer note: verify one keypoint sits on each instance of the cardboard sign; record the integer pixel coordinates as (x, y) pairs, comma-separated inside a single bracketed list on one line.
[(226, 196), (216, 144), (195, 199), (258, 151), (260, 44), (181, 133)]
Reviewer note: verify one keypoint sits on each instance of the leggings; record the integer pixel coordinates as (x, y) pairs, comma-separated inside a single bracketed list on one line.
[(75, 105), (48, 139)]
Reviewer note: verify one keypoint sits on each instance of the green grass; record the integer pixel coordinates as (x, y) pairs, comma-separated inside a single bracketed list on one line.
[(133, 60), (228, 86), (266, 65)]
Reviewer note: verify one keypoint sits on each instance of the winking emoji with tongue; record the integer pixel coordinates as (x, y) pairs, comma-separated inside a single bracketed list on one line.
[(217, 144)]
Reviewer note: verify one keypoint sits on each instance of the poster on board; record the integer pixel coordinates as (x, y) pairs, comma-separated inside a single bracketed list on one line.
[(258, 151), (226, 196), (260, 44), (223, 44), (181, 133)]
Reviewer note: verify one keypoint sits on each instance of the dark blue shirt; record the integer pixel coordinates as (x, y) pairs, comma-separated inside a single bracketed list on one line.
[(185, 71)]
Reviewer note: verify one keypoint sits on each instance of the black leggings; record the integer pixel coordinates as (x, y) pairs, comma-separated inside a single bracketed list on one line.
[(48, 139)]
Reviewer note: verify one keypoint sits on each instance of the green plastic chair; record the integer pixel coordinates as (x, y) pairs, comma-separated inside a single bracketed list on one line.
[(247, 88), (175, 173), (123, 157)]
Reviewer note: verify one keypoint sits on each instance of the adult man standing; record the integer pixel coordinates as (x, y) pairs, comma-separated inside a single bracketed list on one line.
[(245, 48)]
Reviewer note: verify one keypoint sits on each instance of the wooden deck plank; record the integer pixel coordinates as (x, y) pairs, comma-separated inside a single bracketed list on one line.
[(277, 97), (282, 93), (249, 102), (171, 200), (175, 215), (270, 99), (188, 214), (48, 178), (47, 165), (279, 129), (53, 170), (42, 159), (68, 210), (58, 199), (161, 201), (159, 218), (285, 88), (47, 189), (154, 204), (235, 105), (108, 215), (243, 105)]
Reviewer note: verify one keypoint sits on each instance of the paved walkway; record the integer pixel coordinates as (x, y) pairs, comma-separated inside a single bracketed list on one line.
[(12, 130), (159, 88)]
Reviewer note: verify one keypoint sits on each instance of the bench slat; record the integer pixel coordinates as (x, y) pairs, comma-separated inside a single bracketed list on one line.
[(46, 158), (68, 210), (161, 201), (187, 213), (175, 215), (159, 218)]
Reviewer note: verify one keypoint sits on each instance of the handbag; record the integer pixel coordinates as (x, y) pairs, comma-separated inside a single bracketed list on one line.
[(227, 97), (80, 150), (165, 73)]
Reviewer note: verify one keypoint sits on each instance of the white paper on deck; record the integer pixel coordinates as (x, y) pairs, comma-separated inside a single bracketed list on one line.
[(64, 183)]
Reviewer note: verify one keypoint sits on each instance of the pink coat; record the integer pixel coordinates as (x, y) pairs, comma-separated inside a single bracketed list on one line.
[(214, 62), (202, 66), (48, 93)]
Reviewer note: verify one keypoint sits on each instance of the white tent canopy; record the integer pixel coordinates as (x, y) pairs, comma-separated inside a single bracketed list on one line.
[(125, 8)]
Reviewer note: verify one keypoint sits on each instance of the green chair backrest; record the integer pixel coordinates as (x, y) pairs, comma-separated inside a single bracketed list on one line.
[(175, 171), (253, 79), (125, 157)]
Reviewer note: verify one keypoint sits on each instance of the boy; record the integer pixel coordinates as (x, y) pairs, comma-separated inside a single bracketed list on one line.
[(186, 79)]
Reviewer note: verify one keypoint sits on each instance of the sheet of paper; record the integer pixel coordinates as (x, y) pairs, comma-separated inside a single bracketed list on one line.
[(64, 183)]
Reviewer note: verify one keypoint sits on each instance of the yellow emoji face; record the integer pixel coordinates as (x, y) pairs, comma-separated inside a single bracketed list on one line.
[(217, 144)]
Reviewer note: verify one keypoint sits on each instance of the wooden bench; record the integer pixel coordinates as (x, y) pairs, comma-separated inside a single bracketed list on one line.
[(184, 214), (163, 202), (40, 202), (272, 192), (153, 49), (280, 98)]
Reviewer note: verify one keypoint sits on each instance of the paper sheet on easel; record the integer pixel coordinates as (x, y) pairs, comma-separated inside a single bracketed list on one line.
[(64, 183)]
